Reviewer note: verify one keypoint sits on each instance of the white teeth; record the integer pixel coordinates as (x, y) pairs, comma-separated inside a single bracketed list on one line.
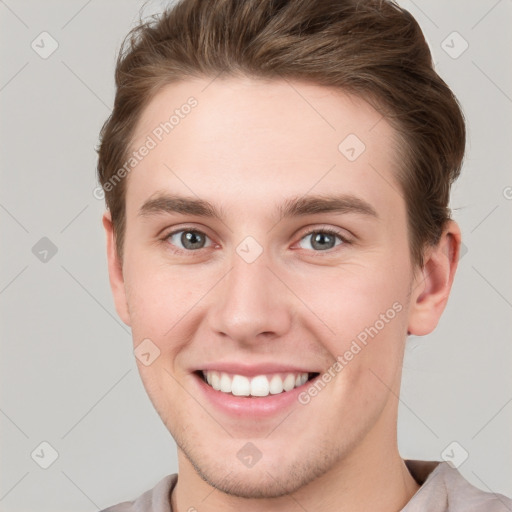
[(225, 383), (259, 386), (289, 382), (215, 380), (239, 385), (276, 385)]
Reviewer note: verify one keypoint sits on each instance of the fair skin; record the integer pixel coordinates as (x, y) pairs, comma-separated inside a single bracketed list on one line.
[(246, 148)]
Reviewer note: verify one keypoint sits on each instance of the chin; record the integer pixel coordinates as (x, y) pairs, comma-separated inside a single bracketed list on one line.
[(268, 478), (256, 484)]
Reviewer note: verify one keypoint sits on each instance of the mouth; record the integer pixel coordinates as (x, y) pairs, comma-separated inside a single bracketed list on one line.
[(258, 386)]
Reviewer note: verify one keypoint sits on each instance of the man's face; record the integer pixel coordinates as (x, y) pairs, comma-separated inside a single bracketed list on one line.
[(254, 294)]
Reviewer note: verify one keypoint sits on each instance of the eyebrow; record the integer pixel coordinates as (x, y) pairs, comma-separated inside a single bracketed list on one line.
[(164, 203)]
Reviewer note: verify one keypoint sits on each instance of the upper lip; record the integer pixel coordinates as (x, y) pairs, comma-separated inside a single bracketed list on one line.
[(251, 370)]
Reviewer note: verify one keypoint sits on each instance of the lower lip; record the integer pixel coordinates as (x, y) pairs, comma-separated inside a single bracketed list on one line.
[(260, 407)]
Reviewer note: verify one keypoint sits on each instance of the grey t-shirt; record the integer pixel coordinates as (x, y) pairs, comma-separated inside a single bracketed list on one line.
[(443, 489)]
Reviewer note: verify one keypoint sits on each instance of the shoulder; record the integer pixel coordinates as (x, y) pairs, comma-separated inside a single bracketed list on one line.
[(446, 489), (156, 499), (464, 496)]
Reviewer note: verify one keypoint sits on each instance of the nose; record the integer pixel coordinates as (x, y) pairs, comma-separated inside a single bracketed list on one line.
[(251, 303)]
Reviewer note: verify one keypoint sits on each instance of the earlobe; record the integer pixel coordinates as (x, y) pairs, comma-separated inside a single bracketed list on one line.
[(433, 282), (115, 271)]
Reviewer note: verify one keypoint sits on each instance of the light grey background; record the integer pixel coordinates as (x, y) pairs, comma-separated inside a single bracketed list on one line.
[(68, 375)]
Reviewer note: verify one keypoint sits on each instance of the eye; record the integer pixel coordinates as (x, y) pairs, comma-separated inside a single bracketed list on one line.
[(324, 239), (190, 239)]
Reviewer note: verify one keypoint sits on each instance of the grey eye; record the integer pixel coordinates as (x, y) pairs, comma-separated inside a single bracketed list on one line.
[(189, 239), (322, 240)]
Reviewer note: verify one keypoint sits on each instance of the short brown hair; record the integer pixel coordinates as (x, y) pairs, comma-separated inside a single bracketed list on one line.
[(371, 48)]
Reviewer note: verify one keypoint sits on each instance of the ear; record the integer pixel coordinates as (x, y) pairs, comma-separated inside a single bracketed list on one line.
[(115, 271), (433, 282)]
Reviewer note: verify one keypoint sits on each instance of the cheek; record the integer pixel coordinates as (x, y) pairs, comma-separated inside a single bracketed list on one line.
[(360, 317), (158, 298), (349, 300)]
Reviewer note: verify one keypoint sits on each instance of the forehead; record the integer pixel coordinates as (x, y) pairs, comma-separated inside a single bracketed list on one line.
[(257, 141)]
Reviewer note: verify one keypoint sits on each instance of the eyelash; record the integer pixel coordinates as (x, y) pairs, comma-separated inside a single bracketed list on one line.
[(326, 230)]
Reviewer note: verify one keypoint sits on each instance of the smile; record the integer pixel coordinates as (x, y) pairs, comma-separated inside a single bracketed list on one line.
[(257, 386)]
